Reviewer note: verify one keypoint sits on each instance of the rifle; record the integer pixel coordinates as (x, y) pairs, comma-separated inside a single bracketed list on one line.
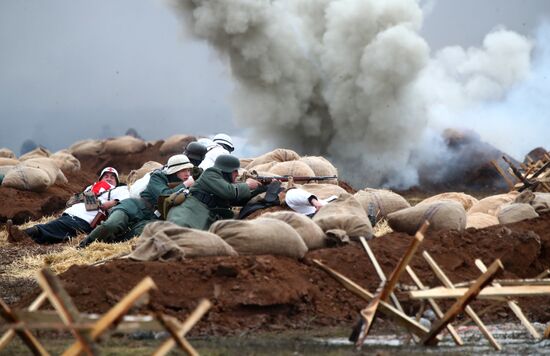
[(286, 178)]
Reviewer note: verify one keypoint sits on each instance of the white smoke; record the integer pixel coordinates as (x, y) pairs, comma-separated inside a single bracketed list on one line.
[(352, 79)]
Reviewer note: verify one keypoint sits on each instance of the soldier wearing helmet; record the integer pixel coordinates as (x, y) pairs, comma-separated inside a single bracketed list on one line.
[(221, 144), (213, 194), (128, 218)]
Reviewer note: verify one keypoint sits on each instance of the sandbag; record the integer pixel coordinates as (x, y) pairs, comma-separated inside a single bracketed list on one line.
[(49, 166), (489, 205), (264, 167), (442, 215), (480, 220), (5, 169), (147, 167), (344, 217), (245, 162), (261, 236), (7, 153), (66, 161), (541, 203), (38, 152), (166, 241), (514, 212), (176, 144), (27, 178), (466, 200), (87, 147), (321, 167), (292, 168), (8, 161), (309, 231), (383, 202), (124, 145), (322, 191), (277, 155)]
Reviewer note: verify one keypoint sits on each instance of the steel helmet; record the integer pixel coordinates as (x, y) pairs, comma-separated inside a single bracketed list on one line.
[(227, 163), (225, 140), (195, 152), (176, 163), (109, 170)]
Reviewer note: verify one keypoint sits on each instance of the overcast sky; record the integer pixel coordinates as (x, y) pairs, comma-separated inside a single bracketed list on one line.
[(76, 69)]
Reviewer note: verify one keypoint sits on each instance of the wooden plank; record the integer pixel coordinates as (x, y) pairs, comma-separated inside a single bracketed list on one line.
[(512, 305), (462, 302), (172, 327), (25, 335), (503, 175), (388, 310), (447, 282), (35, 305), (544, 274), (487, 293), (515, 282), (183, 329), (64, 305), (115, 313), (437, 310), (369, 312)]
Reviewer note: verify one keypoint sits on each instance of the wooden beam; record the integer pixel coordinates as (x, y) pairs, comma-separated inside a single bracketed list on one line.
[(447, 283), (544, 274), (115, 313), (503, 175), (65, 307), (463, 302), (35, 305), (172, 327), (514, 282), (487, 293), (437, 310), (512, 305), (391, 312), (184, 328)]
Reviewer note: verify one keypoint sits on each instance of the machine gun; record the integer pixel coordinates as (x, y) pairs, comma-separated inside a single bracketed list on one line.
[(286, 178)]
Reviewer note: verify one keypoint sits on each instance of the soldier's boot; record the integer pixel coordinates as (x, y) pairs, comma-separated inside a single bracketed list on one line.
[(14, 233), (115, 224), (99, 233)]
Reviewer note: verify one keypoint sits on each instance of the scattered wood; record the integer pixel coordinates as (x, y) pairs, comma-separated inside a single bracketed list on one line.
[(487, 293)]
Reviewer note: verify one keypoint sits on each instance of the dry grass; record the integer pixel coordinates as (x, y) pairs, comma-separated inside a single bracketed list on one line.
[(43, 220), (382, 228)]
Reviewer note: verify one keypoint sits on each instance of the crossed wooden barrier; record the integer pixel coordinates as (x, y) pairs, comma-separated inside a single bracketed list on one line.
[(85, 329)]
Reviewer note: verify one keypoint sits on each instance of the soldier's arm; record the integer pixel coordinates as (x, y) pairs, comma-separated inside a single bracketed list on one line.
[(221, 188)]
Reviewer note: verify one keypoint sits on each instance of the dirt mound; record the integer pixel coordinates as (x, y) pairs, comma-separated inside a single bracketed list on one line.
[(252, 293)]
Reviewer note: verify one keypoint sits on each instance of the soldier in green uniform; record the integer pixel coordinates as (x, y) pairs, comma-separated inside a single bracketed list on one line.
[(128, 218), (213, 194)]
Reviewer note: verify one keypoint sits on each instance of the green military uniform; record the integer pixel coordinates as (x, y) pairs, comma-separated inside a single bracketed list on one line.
[(129, 217), (210, 199)]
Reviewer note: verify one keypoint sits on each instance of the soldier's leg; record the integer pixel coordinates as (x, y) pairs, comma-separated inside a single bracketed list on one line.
[(116, 224)]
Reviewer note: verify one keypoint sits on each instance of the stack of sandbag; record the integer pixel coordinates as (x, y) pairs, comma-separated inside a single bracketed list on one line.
[(176, 144), (124, 145), (6, 164), (466, 200), (540, 201), (245, 161), (35, 174), (344, 218), (442, 215), (490, 205), (147, 167), (321, 167), (6, 153), (322, 191), (277, 155), (39, 152), (291, 168), (66, 161), (480, 220), (87, 147), (309, 231), (166, 241), (261, 236), (514, 212), (49, 166), (382, 202)]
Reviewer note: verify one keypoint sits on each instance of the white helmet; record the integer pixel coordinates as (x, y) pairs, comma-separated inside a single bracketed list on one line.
[(109, 170), (176, 163), (223, 139)]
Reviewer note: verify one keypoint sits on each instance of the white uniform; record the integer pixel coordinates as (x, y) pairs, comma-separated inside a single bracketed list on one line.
[(298, 200), (79, 210), (212, 152)]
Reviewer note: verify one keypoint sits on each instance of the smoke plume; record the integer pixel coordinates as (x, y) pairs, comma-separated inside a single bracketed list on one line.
[(353, 80)]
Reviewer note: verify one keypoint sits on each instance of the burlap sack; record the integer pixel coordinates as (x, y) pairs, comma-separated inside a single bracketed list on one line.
[(87, 148), (124, 145), (322, 191), (176, 144), (480, 220), (514, 212), (38, 152), (261, 236), (292, 168), (265, 167), (466, 200), (49, 166), (489, 205), (344, 217), (5, 169), (321, 167), (166, 241), (27, 178), (277, 155), (7, 153), (541, 203), (66, 161), (442, 215), (383, 202), (147, 167), (8, 161), (245, 161), (309, 231)]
